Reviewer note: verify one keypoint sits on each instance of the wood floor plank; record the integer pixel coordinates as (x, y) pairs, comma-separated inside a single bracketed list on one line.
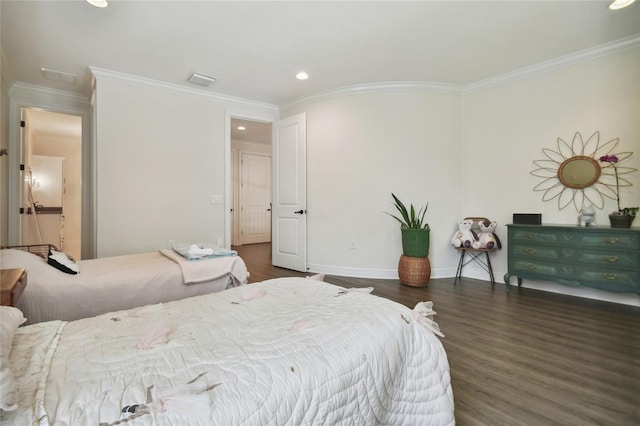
[(527, 357)]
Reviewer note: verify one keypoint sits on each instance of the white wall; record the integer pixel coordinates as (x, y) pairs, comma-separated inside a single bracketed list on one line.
[(468, 155), (161, 153), (506, 128), (360, 149), (160, 157)]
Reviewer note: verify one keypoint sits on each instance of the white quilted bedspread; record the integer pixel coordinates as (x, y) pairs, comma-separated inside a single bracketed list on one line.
[(284, 352)]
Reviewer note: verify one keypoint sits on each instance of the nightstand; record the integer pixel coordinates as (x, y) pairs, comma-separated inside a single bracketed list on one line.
[(13, 283)]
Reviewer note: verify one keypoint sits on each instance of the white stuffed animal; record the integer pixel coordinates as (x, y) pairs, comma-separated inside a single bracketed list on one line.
[(587, 216), (488, 239), (464, 236)]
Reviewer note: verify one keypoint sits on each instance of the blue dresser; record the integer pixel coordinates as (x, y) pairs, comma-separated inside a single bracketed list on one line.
[(597, 256)]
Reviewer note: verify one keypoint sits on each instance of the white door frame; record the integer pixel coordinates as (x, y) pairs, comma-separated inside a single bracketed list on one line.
[(35, 97), (261, 116)]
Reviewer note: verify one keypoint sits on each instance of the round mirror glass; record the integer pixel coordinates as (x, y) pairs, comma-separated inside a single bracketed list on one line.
[(579, 172)]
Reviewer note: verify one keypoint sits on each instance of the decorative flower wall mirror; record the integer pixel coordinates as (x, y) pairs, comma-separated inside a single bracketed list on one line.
[(572, 174), (579, 172)]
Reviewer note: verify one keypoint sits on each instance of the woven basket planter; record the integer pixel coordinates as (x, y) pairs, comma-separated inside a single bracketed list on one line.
[(414, 271)]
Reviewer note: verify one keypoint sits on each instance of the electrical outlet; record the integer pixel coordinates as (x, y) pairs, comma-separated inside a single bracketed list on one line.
[(352, 244), (217, 199)]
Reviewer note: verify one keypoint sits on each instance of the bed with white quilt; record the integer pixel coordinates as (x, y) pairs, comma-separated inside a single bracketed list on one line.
[(287, 351), (117, 282)]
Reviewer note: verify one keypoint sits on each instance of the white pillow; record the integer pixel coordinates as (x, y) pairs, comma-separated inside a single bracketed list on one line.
[(10, 320)]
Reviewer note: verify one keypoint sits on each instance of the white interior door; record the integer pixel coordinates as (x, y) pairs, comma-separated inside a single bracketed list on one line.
[(289, 158), (255, 190)]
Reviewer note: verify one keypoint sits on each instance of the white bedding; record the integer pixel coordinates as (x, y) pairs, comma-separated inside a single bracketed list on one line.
[(286, 351), (109, 284)]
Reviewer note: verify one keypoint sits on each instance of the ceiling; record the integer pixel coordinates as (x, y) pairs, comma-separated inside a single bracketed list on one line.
[(254, 49)]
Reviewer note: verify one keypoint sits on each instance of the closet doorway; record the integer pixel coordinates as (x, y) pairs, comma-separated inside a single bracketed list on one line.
[(52, 180), (251, 182)]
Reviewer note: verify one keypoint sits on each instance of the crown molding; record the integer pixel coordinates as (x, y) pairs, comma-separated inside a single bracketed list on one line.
[(432, 87), (28, 90), (554, 64), (99, 73), (388, 86), (39, 95)]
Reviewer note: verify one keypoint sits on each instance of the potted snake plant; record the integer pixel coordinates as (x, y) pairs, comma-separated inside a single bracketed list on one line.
[(415, 231)]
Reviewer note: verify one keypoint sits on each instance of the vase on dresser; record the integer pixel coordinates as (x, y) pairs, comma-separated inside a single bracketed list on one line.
[(621, 220)]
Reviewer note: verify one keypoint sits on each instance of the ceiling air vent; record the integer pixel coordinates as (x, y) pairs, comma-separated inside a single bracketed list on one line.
[(54, 75), (201, 79)]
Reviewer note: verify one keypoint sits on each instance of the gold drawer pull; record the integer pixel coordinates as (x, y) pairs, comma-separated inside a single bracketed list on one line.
[(530, 267), (530, 250), (530, 236), (610, 277), (611, 240), (568, 268), (611, 258)]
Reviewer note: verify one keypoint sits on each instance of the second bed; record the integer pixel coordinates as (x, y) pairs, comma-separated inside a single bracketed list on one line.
[(118, 282)]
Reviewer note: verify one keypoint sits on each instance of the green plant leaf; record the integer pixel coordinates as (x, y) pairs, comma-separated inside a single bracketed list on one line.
[(410, 219)]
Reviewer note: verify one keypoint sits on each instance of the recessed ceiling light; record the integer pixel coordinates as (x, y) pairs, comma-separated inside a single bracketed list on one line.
[(241, 128), (302, 75), (619, 4), (98, 3), (200, 79)]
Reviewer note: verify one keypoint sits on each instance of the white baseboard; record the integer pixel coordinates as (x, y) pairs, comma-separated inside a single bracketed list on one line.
[(391, 274)]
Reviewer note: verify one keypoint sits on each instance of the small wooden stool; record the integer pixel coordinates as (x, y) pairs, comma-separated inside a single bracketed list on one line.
[(414, 271)]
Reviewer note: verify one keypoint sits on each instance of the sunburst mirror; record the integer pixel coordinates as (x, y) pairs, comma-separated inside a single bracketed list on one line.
[(572, 174)]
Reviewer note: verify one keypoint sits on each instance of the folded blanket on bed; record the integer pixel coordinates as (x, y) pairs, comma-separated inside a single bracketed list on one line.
[(205, 269), (199, 251)]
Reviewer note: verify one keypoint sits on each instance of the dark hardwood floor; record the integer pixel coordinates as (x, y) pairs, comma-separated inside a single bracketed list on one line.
[(525, 358)]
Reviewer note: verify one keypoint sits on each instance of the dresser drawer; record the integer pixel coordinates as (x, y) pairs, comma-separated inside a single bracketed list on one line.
[(575, 238), (532, 251), (612, 260), (610, 280), (577, 275), (624, 259), (607, 241)]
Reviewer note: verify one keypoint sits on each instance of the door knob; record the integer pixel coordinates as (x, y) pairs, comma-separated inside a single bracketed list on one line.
[(300, 211)]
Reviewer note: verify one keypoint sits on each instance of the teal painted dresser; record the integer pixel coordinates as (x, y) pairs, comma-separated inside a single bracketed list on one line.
[(596, 256)]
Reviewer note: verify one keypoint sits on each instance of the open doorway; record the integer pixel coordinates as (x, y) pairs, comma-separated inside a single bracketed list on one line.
[(251, 182), (52, 180)]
